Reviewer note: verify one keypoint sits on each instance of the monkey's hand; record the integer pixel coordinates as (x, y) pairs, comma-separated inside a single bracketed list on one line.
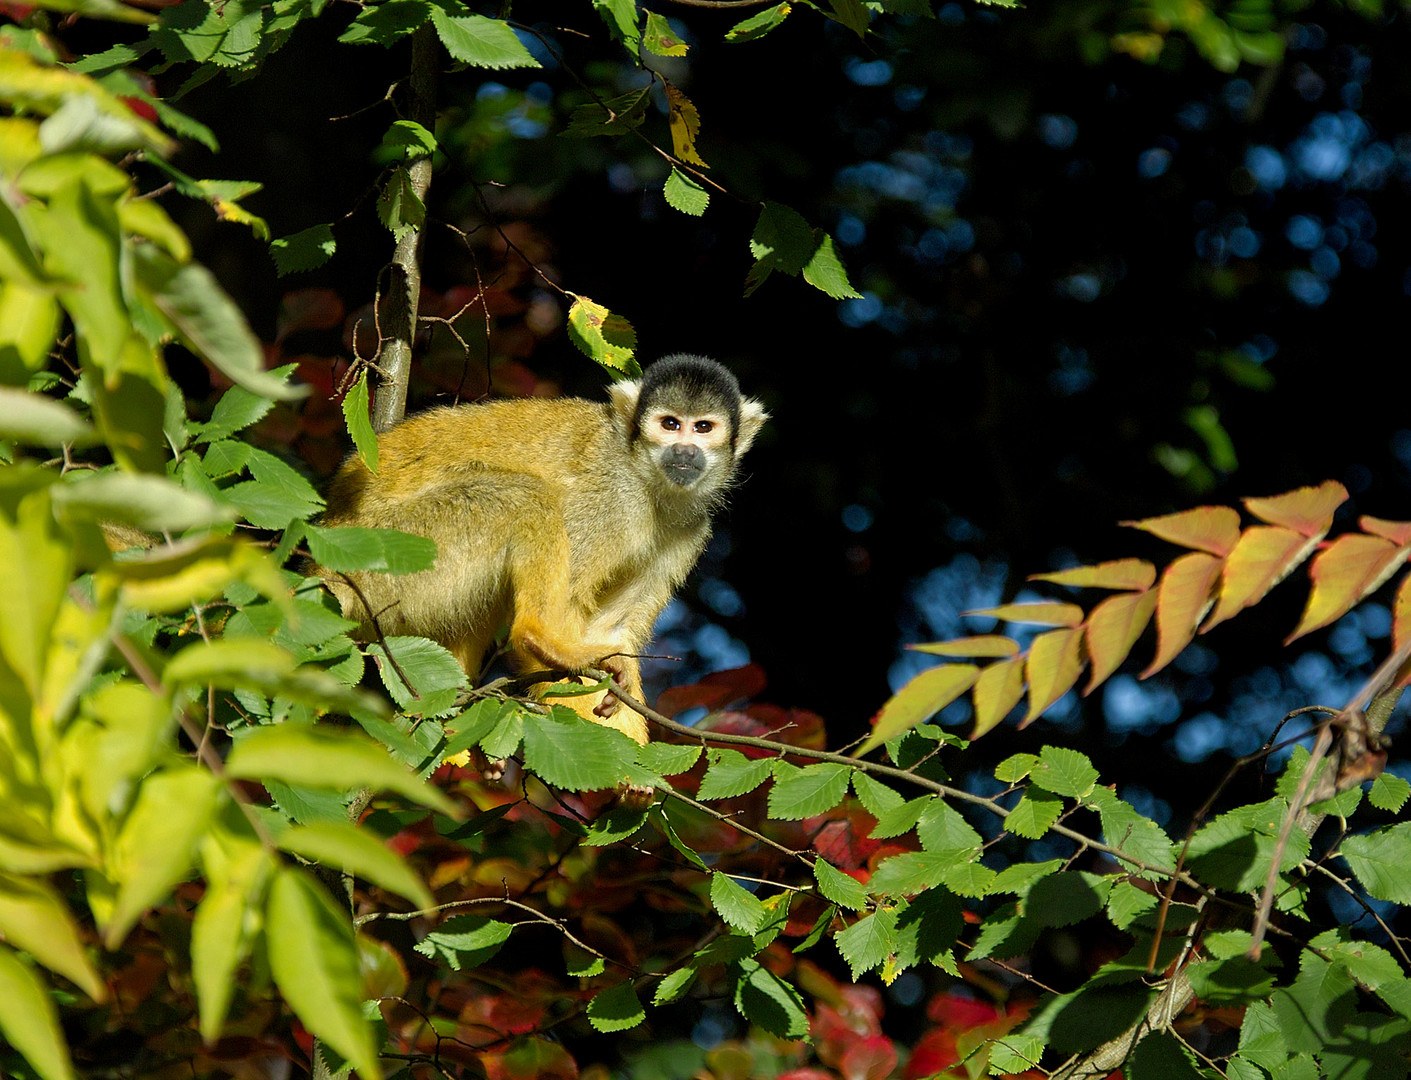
[(615, 667)]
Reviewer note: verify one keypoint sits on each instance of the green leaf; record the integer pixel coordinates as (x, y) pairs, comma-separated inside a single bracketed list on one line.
[(731, 774), (942, 828), (621, 19), (406, 140), (1261, 1039), (572, 753), (223, 931), (1126, 903), (660, 817), (236, 410), (344, 549), (35, 420), (1019, 878), (659, 39), (909, 873), (901, 818), (1234, 851), (928, 928), (756, 26), (477, 40), (616, 1009), (620, 823), (1015, 768), (603, 337), (736, 905), (464, 941), (673, 986), (343, 846), (765, 999), (1161, 1056), (146, 502), (1034, 814), (34, 918), (310, 951), (609, 116), (684, 194), (876, 797), (1389, 792), (382, 24), (210, 324), (399, 207), (868, 942), (156, 847), (28, 1021), (801, 793), (1064, 772), (842, 889), (666, 759), (783, 240), (1379, 860), (825, 271), (1131, 833), (308, 248), (433, 677), (327, 758)]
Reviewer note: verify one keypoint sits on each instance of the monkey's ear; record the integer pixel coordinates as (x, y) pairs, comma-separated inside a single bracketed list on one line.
[(622, 396), (752, 418)]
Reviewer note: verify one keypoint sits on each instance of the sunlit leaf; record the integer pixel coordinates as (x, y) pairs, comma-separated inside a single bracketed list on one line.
[(616, 1009), (660, 39), (842, 889), (602, 336), (478, 40), (997, 691), (348, 548), (1306, 510), (1186, 592), (1348, 569), (1214, 529), (763, 998), (35, 420), (1054, 664), (1112, 629), (1135, 574), (308, 248), (980, 645), (345, 847), (735, 904), (801, 793), (924, 696), (1064, 772), (569, 752), (34, 918), (1043, 614), (1264, 556), (756, 26), (685, 194), (1398, 532), (685, 124), (28, 1020), (465, 941)]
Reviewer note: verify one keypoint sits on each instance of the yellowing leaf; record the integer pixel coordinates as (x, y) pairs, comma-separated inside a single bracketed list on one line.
[(1215, 529), (997, 690), (1305, 510), (1263, 557), (1401, 614), (28, 1020), (1343, 573), (923, 697), (1398, 532), (1049, 614), (685, 126), (1113, 628), (979, 645), (33, 917), (1185, 594), (603, 336), (1118, 574), (1055, 662)]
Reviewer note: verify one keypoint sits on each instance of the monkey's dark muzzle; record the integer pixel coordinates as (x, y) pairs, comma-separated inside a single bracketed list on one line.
[(683, 465)]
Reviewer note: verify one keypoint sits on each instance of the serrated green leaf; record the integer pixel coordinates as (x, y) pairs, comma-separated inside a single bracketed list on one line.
[(1064, 772), (616, 1009), (602, 336), (348, 548), (1389, 792), (876, 797), (609, 116), (667, 759), (310, 950), (763, 998), (660, 39), (478, 40), (909, 873), (1380, 859), (661, 819), (569, 752), (622, 21), (901, 818), (735, 904), (1132, 833), (731, 774), (1234, 850), (673, 986), (425, 680), (620, 823), (868, 942), (941, 827), (343, 846), (684, 194), (382, 24), (1015, 768), (805, 792), (825, 271), (756, 26), (464, 942), (1019, 878), (399, 207), (308, 248), (1034, 814), (842, 889)]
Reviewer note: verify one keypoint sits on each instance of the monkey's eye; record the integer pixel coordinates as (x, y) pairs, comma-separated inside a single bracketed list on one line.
[(670, 423), (704, 427)]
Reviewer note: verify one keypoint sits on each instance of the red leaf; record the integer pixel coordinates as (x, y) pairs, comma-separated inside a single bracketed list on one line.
[(871, 1058), (308, 309), (715, 691)]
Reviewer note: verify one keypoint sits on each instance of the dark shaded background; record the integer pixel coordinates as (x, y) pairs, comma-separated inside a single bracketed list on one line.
[(1095, 289)]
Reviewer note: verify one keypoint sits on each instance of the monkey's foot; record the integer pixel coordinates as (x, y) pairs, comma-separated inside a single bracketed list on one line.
[(636, 796)]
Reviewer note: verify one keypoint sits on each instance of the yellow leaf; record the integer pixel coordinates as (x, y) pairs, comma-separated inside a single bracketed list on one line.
[(1049, 614), (1305, 510), (34, 917), (1055, 662), (1215, 529), (1185, 594), (979, 645), (1112, 630), (1398, 532), (1118, 574), (685, 126), (1343, 573), (921, 698), (997, 690), (1401, 614), (1263, 557)]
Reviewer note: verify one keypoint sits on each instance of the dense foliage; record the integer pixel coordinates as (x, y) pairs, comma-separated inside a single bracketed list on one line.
[(232, 841)]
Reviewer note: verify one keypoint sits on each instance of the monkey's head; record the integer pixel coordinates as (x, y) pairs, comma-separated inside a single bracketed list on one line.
[(687, 424)]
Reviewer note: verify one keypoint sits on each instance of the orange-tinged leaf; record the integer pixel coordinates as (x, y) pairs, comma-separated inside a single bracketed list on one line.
[(979, 645), (921, 698), (1049, 614), (1263, 557), (1185, 594), (1055, 662), (1113, 628), (1306, 510), (1215, 529), (1398, 532), (1343, 573), (1401, 614), (997, 690), (1118, 574)]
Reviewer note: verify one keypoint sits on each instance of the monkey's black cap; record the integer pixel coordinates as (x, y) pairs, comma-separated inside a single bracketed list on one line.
[(685, 378)]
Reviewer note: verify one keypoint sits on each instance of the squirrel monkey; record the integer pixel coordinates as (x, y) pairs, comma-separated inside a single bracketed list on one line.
[(571, 522)]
